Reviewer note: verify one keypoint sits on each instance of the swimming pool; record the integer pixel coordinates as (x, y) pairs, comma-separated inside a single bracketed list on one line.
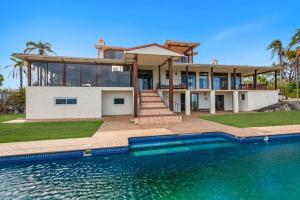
[(189, 169)]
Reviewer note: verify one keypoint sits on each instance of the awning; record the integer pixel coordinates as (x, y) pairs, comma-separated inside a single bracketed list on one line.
[(151, 54)]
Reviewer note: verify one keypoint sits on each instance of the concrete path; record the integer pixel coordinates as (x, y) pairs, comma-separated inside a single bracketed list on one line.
[(115, 131)]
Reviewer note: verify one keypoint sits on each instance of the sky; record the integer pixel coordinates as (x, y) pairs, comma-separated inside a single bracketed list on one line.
[(232, 31)]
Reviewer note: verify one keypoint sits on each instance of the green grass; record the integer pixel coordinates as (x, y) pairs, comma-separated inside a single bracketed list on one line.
[(243, 120), (31, 131)]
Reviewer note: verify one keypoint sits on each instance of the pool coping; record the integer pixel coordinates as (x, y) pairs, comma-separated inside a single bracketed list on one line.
[(91, 152)]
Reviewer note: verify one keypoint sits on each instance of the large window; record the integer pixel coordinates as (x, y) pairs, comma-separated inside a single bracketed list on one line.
[(55, 74), (80, 75), (191, 79), (113, 54), (72, 75), (203, 80), (238, 81), (220, 81)]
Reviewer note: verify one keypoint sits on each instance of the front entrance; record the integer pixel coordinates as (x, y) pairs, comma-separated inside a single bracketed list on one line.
[(219, 102), (145, 79)]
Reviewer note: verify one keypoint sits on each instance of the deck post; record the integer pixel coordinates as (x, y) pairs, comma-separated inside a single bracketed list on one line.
[(234, 79), (255, 80), (212, 78), (212, 102), (235, 101), (170, 84), (275, 80), (159, 77), (29, 72), (135, 87), (187, 77), (188, 102)]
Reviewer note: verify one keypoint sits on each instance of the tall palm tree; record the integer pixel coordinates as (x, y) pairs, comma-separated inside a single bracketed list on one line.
[(18, 66), (277, 48), (295, 40), (1, 79), (42, 48)]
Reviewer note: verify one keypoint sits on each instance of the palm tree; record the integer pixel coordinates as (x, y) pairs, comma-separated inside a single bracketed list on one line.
[(295, 39), (1, 79), (18, 65), (42, 48), (277, 48)]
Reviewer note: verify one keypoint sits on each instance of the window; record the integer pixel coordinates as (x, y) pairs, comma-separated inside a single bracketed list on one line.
[(88, 75), (243, 97), (114, 76), (113, 54), (203, 80), (119, 101), (237, 81), (55, 74), (73, 75), (220, 81), (65, 101)]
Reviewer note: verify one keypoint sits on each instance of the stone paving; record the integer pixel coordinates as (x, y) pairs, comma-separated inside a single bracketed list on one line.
[(115, 131)]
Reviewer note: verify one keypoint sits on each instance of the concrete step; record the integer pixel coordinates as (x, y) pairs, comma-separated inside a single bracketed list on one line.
[(151, 98), (153, 105), (149, 112), (159, 120)]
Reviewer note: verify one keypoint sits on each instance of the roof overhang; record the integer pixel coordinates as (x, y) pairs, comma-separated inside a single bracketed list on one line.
[(40, 58), (152, 54), (246, 70)]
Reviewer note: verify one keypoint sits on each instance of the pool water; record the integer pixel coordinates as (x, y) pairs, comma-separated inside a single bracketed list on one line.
[(237, 171)]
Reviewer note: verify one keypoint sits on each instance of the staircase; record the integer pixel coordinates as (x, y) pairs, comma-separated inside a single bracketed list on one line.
[(153, 111)]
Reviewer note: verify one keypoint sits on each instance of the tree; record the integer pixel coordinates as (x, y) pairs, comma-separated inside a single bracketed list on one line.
[(295, 40), (1, 79), (17, 99), (42, 48), (277, 48), (18, 65)]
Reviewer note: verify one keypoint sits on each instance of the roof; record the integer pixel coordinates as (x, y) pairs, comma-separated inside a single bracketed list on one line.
[(183, 47), (33, 57), (157, 50)]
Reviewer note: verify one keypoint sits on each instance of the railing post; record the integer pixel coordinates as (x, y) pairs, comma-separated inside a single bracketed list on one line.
[(234, 79), (159, 77), (255, 80), (170, 84), (29, 72), (135, 87)]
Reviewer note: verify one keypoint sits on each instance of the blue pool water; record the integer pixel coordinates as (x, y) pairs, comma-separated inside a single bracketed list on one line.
[(220, 170)]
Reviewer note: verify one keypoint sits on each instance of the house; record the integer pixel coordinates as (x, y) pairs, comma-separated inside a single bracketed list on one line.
[(151, 82)]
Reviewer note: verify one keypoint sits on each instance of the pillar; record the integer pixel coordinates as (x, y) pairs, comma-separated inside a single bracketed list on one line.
[(135, 87), (229, 81), (187, 77), (275, 80), (234, 79), (170, 84), (159, 77), (29, 72), (212, 78), (255, 80), (187, 102), (212, 102), (235, 101)]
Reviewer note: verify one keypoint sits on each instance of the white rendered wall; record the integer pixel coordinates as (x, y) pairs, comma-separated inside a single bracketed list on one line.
[(108, 106), (227, 100), (262, 98), (204, 100), (40, 102), (243, 104)]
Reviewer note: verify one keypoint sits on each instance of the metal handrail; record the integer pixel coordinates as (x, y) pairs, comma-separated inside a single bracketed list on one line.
[(165, 99)]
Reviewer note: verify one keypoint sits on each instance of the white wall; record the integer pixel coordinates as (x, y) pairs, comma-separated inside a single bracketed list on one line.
[(243, 104), (262, 98), (227, 100), (92, 102), (204, 100), (40, 102), (108, 106)]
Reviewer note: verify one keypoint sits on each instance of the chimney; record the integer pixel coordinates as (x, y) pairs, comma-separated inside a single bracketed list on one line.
[(101, 42), (214, 62)]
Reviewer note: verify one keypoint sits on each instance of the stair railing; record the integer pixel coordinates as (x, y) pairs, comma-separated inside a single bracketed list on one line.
[(165, 99), (139, 100)]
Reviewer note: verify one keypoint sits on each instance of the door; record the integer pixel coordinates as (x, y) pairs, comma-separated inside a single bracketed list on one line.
[(219, 102), (182, 102), (145, 79), (194, 102)]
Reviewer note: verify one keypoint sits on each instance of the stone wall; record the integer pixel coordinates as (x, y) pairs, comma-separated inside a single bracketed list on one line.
[(282, 106)]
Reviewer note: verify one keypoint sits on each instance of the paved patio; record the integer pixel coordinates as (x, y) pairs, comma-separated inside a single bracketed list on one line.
[(115, 131)]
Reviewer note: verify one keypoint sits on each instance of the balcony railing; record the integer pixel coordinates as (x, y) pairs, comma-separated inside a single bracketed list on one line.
[(177, 84), (252, 87)]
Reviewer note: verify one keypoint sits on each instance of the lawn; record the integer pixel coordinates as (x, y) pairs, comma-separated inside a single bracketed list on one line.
[(243, 120), (31, 131)]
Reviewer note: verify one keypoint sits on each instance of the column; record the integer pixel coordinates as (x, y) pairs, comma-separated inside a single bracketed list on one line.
[(212, 102), (135, 87), (187, 77), (255, 80), (235, 101), (29, 72), (234, 79), (159, 78), (229, 81), (188, 102), (197, 80), (211, 78), (275, 80), (170, 84)]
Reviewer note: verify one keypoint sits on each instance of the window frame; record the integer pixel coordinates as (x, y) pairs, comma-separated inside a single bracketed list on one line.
[(66, 101)]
